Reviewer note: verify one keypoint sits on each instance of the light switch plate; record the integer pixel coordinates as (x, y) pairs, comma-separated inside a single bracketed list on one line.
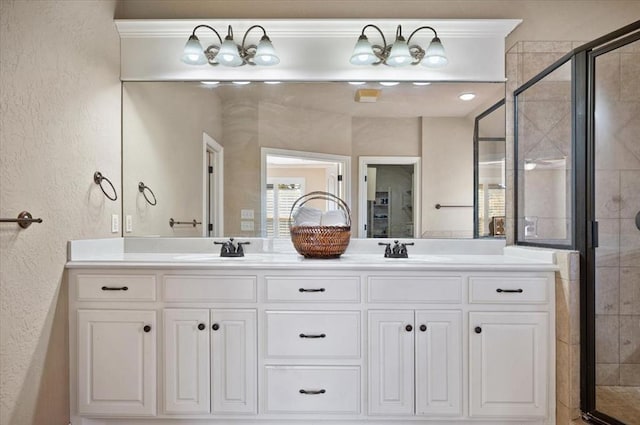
[(128, 224), (246, 215), (246, 226), (115, 223)]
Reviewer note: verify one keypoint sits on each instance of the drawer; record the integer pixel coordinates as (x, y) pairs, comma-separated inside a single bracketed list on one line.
[(313, 389), (510, 290), (313, 334), (313, 289), (418, 289), (111, 287), (209, 288)]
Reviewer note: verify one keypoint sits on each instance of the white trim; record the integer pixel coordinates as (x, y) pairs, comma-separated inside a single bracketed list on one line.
[(209, 143), (363, 162), (264, 152)]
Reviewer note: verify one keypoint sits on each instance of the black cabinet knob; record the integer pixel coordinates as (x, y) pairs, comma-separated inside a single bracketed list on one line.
[(201, 326), (147, 328), (423, 328), (215, 327), (478, 329), (409, 328)]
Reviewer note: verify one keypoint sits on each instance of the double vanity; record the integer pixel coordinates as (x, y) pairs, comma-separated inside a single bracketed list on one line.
[(165, 331)]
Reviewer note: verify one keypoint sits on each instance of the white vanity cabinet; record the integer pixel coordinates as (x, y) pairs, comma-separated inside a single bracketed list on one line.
[(286, 344), (210, 361)]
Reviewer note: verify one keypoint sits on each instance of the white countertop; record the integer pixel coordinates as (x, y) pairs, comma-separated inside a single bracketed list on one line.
[(363, 254)]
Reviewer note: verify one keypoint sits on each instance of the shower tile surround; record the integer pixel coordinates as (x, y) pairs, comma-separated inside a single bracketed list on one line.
[(523, 61)]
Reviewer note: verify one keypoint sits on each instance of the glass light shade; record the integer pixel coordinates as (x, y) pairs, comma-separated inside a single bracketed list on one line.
[(363, 52), (228, 54), (435, 56), (265, 53), (193, 54), (399, 55)]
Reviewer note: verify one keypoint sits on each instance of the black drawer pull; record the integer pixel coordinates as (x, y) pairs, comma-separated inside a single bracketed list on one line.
[(215, 327), (311, 290), (312, 392), (313, 336), (115, 288), (478, 329), (201, 326), (147, 328), (423, 328), (509, 291)]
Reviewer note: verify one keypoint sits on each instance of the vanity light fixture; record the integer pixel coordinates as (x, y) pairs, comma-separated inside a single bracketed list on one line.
[(357, 83), (400, 53), (467, 96), (272, 82), (389, 83), (421, 83), (228, 53), (210, 83), (241, 83)]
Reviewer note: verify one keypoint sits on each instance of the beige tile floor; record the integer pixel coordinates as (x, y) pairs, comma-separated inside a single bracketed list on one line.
[(622, 403)]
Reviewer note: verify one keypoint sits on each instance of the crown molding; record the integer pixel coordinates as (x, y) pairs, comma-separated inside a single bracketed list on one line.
[(313, 28)]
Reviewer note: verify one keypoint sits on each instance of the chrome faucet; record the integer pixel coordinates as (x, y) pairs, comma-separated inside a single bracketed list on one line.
[(229, 249)]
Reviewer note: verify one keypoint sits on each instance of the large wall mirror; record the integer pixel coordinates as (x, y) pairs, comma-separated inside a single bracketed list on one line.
[(199, 148)]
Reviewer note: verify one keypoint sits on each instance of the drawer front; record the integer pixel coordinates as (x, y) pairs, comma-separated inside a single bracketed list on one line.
[(96, 287), (315, 334), (437, 289), (308, 389), (313, 289), (510, 290), (210, 288)]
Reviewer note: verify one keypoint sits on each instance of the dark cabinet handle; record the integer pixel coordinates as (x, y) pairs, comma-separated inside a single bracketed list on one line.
[(147, 328), (313, 336), (115, 288), (201, 326), (515, 291), (409, 328), (311, 290), (478, 329), (423, 328), (215, 327), (312, 392)]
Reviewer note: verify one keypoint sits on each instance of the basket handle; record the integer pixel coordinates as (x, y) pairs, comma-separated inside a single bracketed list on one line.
[(318, 194)]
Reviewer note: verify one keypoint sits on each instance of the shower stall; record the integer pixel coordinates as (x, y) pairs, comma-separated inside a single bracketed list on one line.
[(578, 187)]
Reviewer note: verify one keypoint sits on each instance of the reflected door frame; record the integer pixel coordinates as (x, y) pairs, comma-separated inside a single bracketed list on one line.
[(212, 188), (363, 163), (342, 184)]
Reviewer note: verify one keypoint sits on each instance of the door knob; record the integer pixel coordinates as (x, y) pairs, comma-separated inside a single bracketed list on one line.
[(147, 328), (409, 328), (478, 329), (423, 328), (215, 327), (201, 326)]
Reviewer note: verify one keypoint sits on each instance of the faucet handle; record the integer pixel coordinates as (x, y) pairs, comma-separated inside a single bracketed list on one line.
[(387, 249)]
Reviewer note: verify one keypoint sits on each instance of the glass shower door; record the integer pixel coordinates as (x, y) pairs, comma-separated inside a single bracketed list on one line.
[(616, 120)]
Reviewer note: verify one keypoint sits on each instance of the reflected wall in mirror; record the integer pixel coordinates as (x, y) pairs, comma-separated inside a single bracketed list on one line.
[(166, 124)]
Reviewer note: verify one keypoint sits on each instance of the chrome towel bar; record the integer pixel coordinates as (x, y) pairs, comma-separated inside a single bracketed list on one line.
[(194, 223), (24, 219)]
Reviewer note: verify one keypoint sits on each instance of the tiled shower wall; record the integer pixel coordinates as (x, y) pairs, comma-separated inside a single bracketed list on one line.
[(617, 203), (523, 61)]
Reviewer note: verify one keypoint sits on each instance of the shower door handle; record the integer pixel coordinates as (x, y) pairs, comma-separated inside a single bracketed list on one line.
[(593, 235), (638, 220)]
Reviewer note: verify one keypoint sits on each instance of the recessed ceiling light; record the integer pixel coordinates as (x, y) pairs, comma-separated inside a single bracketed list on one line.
[(421, 83), (467, 96), (241, 83), (389, 83), (272, 82), (357, 83), (210, 83)]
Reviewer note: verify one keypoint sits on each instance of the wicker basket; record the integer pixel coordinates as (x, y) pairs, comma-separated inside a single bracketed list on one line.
[(320, 241)]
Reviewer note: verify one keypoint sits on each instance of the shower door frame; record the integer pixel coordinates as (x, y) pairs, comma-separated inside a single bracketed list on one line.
[(587, 248)]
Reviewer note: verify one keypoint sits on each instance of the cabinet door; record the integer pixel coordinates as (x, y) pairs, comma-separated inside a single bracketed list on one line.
[(116, 362), (438, 362), (186, 361), (234, 361), (391, 372), (508, 363)]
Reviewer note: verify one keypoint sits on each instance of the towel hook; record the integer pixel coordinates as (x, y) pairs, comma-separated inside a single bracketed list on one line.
[(143, 188), (98, 178)]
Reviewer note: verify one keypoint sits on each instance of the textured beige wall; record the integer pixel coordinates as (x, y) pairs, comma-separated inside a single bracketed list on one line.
[(162, 127), (543, 19), (59, 122)]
